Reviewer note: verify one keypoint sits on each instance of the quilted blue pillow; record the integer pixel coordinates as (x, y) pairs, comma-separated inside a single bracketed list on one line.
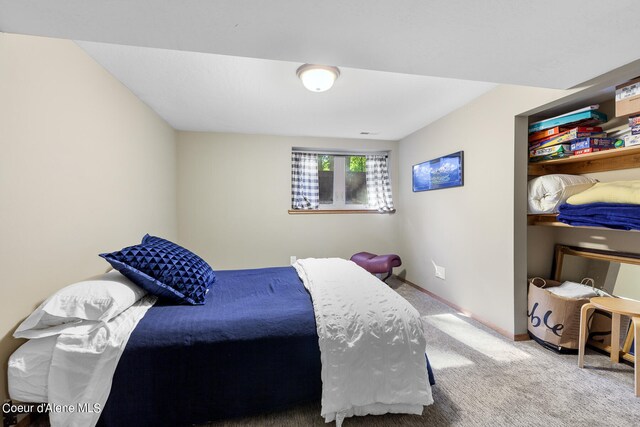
[(164, 269), (169, 245)]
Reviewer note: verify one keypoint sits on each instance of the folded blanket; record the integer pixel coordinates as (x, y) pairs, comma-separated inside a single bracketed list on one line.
[(620, 216), (609, 192), (371, 342)]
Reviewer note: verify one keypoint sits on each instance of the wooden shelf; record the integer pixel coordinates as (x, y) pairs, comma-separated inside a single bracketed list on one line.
[(545, 219), (608, 160), (551, 220)]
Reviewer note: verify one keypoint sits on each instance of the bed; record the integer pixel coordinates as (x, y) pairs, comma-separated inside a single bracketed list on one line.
[(252, 347)]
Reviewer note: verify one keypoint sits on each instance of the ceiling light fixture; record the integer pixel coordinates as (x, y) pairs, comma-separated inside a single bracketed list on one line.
[(318, 78)]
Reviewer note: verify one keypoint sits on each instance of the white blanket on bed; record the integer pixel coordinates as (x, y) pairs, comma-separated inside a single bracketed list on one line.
[(82, 368), (372, 344)]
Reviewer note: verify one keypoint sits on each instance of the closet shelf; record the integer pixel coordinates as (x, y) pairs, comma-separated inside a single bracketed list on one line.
[(608, 160), (551, 220), (545, 219)]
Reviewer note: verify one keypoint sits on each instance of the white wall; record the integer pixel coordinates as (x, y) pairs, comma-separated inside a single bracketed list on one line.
[(470, 230), (628, 281), (85, 168), (234, 193)]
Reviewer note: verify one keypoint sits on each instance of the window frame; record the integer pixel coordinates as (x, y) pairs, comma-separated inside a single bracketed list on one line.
[(340, 185), (342, 207)]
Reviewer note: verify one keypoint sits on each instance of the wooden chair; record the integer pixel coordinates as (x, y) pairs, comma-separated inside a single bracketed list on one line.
[(617, 307)]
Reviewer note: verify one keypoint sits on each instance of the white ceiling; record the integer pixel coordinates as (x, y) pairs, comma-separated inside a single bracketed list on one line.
[(206, 92), (545, 43)]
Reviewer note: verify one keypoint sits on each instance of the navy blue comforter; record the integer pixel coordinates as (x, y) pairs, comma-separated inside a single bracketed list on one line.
[(252, 347)]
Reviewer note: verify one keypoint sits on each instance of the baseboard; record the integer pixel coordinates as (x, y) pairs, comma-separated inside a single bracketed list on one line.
[(521, 337), (516, 337)]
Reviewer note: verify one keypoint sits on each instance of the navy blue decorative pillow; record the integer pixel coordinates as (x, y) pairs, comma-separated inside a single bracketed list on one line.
[(164, 269), (169, 245)]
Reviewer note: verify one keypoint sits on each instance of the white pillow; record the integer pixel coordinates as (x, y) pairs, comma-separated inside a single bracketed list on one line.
[(82, 306), (547, 193)]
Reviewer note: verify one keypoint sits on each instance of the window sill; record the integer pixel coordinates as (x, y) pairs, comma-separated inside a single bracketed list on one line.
[(336, 211)]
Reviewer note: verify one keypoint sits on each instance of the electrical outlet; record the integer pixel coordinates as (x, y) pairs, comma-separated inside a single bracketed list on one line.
[(293, 259), (439, 271)]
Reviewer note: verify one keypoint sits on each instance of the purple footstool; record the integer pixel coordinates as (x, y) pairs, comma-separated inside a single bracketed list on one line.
[(377, 264)]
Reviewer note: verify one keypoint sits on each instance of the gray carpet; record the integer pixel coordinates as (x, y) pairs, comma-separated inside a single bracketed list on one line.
[(484, 379)]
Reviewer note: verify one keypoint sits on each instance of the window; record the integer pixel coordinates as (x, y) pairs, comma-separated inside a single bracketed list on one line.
[(342, 182), (336, 181)]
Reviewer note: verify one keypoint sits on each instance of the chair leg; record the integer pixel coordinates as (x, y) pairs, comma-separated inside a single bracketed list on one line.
[(636, 358), (387, 276), (615, 338), (584, 316)]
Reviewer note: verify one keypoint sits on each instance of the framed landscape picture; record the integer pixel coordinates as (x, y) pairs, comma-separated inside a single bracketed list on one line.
[(443, 172)]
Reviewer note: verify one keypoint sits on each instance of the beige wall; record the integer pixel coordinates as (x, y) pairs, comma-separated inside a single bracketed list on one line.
[(628, 281), (86, 167), (234, 193), (470, 230)]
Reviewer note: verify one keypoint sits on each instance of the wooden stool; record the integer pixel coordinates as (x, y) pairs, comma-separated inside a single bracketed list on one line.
[(617, 307)]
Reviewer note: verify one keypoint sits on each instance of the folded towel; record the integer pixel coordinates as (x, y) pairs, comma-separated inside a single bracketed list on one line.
[(611, 215), (627, 192), (573, 290)]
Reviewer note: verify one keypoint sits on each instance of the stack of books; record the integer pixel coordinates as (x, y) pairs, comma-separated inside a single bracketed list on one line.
[(570, 134)]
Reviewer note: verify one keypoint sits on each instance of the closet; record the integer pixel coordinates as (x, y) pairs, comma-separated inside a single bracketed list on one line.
[(544, 231)]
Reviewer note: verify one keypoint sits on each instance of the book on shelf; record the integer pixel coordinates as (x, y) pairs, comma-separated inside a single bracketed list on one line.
[(590, 150), (553, 156), (566, 136), (555, 131), (583, 118), (579, 110), (582, 143), (634, 121), (548, 151), (544, 134)]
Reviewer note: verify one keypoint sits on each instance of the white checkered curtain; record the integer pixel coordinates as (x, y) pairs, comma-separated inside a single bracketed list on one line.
[(379, 184), (305, 191)]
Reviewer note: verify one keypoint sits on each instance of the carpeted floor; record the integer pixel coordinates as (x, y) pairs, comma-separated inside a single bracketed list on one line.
[(484, 379)]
